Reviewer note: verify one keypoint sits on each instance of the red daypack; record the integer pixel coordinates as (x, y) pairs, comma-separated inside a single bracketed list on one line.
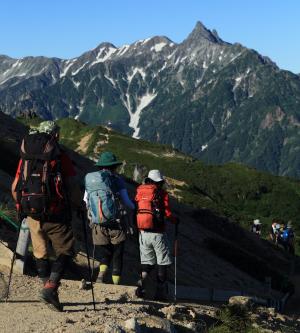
[(150, 212)]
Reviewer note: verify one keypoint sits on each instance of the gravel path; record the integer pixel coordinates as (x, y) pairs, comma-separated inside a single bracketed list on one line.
[(24, 313)]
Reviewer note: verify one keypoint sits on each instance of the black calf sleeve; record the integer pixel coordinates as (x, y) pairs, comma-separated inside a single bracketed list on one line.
[(43, 268), (117, 259), (146, 268), (105, 253), (161, 273), (58, 267)]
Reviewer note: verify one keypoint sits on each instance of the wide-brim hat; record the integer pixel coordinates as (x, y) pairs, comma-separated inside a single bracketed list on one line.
[(107, 158), (48, 127), (256, 222), (155, 175)]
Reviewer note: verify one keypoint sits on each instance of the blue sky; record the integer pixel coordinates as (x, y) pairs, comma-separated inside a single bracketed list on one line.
[(67, 28)]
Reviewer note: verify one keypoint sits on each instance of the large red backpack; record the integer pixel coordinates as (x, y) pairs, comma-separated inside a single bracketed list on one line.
[(150, 212)]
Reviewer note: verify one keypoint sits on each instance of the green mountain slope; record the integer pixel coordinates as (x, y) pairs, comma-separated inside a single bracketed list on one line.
[(233, 190), (215, 247)]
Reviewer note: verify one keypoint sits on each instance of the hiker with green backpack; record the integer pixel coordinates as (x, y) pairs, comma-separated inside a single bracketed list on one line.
[(42, 190), (105, 197), (152, 211)]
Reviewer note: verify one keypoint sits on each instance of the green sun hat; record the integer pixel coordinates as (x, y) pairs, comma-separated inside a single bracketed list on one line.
[(48, 127), (107, 158)]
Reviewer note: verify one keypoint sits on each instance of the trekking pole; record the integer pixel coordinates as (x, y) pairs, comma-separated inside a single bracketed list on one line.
[(13, 258), (175, 261), (87, 254)]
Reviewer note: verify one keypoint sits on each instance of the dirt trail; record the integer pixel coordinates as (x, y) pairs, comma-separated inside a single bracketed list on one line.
[(24, 312), (114, 305)]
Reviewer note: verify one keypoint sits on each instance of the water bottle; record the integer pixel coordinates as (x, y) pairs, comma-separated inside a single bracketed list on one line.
[(23, 240)]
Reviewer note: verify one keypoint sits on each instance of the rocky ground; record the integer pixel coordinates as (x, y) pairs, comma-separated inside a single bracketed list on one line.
[(117, 310)]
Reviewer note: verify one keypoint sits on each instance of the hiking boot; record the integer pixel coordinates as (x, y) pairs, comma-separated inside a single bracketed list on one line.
[(49, 296), (140, 292)]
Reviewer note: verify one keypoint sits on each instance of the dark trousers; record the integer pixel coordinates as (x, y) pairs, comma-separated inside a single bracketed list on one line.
[(112, 253)]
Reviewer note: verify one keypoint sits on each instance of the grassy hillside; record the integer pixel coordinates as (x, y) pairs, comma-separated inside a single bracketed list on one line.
[(232, 190)]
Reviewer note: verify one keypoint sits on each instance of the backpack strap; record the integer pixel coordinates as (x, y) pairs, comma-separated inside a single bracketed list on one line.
[(100, 210)]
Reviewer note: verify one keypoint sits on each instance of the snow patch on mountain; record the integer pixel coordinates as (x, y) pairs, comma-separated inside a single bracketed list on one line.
[(12, 71), (146, 40), (158, 47), (110, 80), (80, 68), (171, 55), (123, 49), (41, 71), (17, 64), (80, 108), (142, 103), (68, 64), (5, 72), (237, 81), (103, 55), (136, 70), (240, 78), (21, 74), (76, 83), (162, 68), (235, 56)]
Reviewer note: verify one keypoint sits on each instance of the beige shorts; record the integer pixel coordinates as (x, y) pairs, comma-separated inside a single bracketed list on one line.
[(60, 235)]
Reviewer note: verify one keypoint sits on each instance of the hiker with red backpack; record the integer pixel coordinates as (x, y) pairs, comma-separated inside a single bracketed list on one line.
[(152, 211), (106, 198), (40, 189)]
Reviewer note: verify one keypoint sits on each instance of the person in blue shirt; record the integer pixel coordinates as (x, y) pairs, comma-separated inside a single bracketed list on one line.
[(287, 237), (109, 237)]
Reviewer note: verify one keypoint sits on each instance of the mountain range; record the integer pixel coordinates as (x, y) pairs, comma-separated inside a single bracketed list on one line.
[(208, 98)]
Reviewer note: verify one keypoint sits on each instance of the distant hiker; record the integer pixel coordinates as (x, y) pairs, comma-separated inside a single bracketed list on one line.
[(286, 237), (256, 227), (105, 197), (152, 211), (41, 190), (274, 232)]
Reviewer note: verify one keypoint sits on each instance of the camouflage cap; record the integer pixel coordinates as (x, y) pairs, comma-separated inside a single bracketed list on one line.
[(48, 127)]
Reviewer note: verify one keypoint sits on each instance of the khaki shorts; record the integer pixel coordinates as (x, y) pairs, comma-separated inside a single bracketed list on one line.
[(60, 235), (105, 235), (154, 248)]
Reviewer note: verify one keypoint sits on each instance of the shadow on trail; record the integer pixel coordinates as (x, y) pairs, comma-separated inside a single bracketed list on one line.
[(20, 301)]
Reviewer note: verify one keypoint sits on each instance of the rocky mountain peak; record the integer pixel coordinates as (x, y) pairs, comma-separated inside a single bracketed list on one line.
[(200, 33), (160, 39), (105, 45)]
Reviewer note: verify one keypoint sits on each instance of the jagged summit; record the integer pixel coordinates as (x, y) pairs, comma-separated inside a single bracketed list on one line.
[(200, 33)]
